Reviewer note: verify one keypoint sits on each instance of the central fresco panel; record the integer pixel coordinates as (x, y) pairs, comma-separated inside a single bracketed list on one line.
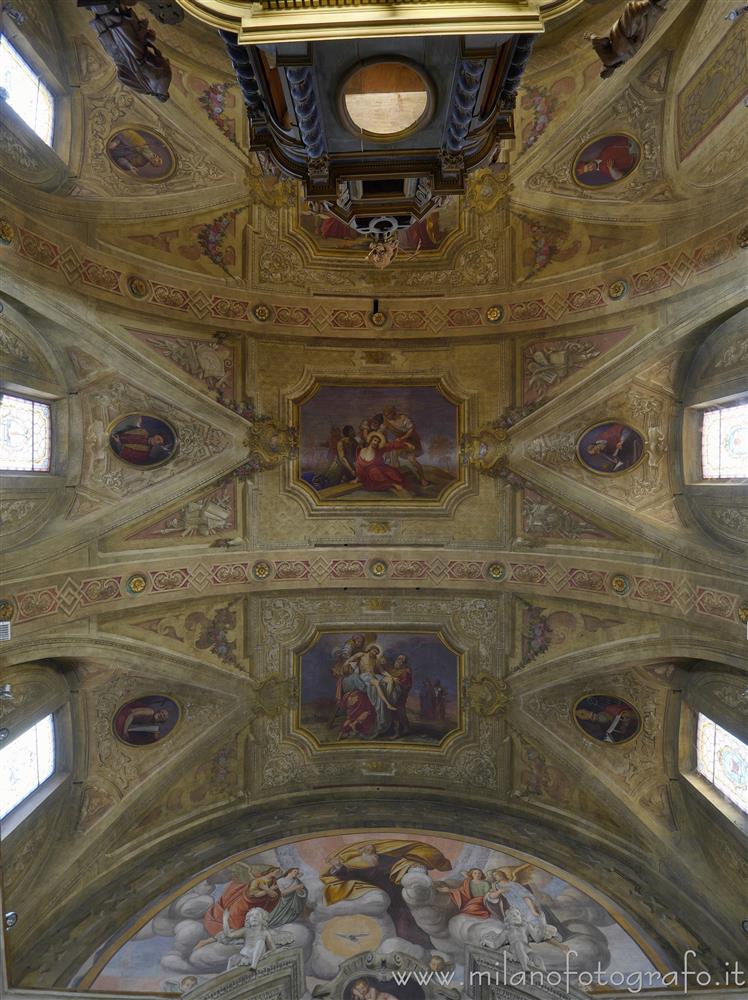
[(375, 443), (344, 895), (398, 687)]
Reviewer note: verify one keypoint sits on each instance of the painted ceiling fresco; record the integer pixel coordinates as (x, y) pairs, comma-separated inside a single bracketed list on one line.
[(335, 897), (326, 548)]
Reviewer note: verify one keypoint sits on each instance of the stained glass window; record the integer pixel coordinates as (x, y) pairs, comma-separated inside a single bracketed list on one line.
[(723, 759), (25, 763), (724, 443), (25, 435), (26, 93)]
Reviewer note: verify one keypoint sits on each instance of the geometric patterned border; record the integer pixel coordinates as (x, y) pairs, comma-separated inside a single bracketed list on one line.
[(674, 269), (678, 593)]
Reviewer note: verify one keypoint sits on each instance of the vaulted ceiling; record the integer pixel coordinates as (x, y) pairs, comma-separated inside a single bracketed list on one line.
[(537, 308)]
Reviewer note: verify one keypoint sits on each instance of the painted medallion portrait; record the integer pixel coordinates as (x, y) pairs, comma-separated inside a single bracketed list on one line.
[(141, 154), (391, 687), (143, 440), (606, 160), (147, 720), (377, 444), (610, 447), (607, 718)]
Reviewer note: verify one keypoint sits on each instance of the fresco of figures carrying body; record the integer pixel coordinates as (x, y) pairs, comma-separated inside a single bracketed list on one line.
[(397, 687), (373, 443), (344, 895)]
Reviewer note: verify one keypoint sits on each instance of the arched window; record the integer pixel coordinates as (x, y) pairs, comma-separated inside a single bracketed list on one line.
[(26, 92), (25, 435), (723, 760), (724, 442), (26, 763)]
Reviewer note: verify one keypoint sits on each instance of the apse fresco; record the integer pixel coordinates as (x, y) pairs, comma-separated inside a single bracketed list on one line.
[(343, 895), (375, 443), (394, 687), (428, 234)]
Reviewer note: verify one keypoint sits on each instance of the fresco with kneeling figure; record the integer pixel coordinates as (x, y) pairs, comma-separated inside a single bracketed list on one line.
[(366, 443), (338, 896), (399, 687)]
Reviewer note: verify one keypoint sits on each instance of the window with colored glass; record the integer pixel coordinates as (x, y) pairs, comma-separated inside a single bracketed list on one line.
[(25, 435), (723, 760), (724, 443), (25, 92), (25, 763)]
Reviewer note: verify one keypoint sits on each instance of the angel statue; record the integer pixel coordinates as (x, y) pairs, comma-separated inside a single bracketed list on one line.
[(384, 248), (128, 41), (257, 939), (516, 935), (628, 34)]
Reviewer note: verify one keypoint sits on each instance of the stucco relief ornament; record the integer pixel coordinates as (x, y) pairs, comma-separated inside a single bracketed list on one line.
[(269, 445), (261, 570), (486, 450), (137, 286), (485, 695), (136, 583), (378, 567), (497, 571)]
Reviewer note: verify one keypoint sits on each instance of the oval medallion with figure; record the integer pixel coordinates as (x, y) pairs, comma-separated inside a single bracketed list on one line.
[(610, 447), (143, 440), (141, 153), (607, 718), (147, 720), (606, 160)]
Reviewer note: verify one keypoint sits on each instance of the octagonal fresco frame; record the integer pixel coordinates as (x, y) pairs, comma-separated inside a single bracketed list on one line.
[(379, 391), (453, 687)]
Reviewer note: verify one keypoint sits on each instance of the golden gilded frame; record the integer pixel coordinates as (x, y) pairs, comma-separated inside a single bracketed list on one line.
[(318, 20)]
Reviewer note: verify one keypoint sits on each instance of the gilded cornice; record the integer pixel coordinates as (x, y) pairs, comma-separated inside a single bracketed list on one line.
[(317, 20)]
